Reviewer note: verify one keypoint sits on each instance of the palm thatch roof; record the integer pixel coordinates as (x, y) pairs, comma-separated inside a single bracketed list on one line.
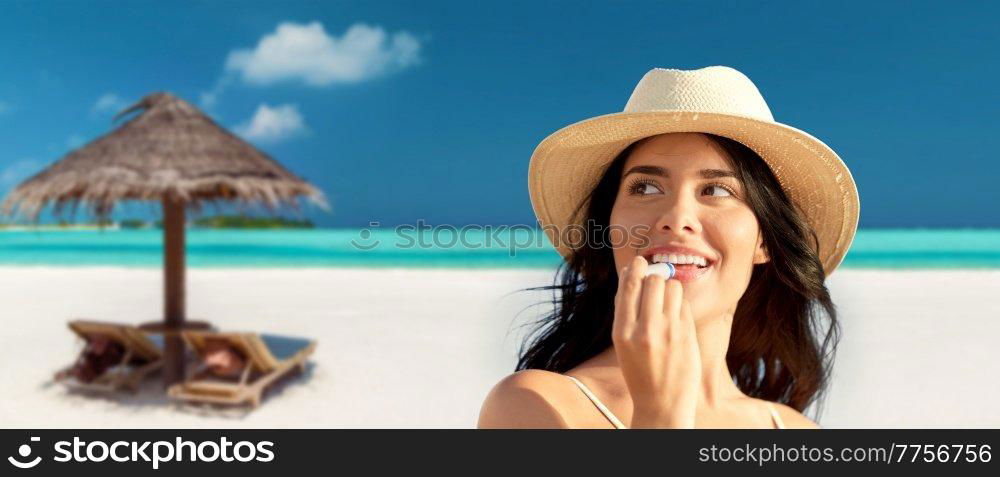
[(170, 151)]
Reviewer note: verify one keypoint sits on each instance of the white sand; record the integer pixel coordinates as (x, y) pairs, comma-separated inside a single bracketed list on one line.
[(421, 348)]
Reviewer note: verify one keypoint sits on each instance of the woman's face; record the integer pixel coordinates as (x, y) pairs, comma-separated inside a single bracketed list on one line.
[(679, 194)]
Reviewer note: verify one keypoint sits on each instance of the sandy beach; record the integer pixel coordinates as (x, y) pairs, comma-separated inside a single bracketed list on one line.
[(418, 348)]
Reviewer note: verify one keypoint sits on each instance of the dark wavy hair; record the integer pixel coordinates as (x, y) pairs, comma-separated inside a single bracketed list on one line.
[(785, 329)]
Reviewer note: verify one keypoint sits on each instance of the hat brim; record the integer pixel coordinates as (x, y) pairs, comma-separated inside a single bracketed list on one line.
[(567, 165)]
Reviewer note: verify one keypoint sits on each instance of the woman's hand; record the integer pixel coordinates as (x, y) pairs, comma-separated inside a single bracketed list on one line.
[(657, 349)]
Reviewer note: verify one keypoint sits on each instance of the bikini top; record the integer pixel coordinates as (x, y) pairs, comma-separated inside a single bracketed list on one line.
[(778, 423)]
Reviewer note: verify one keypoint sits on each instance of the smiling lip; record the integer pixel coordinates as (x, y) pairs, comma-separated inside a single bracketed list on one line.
[(683, 273)]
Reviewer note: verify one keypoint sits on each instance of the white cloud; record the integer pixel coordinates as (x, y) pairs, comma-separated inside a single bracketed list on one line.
[(307, 53), (14, 173), (110, 103), (75, 140), (210, 97), (273, 124)]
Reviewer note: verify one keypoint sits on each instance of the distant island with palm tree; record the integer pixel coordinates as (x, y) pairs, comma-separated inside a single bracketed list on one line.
[(213, 222), (228, 222)]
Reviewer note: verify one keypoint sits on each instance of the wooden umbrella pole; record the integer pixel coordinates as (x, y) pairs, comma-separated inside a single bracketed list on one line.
[(173, 290)]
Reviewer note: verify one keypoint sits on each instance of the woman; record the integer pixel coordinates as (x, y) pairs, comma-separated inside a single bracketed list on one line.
[(753, 214)]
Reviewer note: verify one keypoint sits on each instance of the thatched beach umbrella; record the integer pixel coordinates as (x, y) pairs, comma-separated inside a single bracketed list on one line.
[(172, 153)]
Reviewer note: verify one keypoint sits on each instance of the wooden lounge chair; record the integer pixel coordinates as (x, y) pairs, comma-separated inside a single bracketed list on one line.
[(266, 359), (143, 354)]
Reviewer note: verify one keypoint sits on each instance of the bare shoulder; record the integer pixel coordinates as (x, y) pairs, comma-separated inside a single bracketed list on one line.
[(794, 419), (529, 398)]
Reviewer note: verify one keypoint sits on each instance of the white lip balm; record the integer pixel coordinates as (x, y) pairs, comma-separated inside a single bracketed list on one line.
[(665, 270)]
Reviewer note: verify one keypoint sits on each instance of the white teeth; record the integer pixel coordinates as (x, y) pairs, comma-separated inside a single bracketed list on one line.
[(680, 259)]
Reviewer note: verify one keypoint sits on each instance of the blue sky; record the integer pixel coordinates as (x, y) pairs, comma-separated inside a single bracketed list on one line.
[(403, 111)]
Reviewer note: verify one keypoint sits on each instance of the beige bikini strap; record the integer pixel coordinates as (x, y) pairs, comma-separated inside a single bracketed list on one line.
[(619, 425), (597, 402), (777, 418)]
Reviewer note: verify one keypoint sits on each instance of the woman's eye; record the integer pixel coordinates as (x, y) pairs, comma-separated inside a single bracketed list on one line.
[(644, 188), (718, 190)]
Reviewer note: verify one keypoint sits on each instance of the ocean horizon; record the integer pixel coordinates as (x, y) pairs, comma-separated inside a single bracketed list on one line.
[(380, 248)]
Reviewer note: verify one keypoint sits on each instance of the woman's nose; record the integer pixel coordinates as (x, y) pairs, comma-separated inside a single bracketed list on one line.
[(679, 217)]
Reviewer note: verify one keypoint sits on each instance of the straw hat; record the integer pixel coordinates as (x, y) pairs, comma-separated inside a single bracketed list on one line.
[(567, 165)]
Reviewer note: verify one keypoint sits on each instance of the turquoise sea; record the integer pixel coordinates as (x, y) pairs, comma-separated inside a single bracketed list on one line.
[(872, 248)]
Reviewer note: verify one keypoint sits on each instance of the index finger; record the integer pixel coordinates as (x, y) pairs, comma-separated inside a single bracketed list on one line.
[(627, 298)]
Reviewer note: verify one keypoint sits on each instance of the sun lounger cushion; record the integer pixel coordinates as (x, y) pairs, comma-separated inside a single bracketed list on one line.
[(284, 347), (157, 340)]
